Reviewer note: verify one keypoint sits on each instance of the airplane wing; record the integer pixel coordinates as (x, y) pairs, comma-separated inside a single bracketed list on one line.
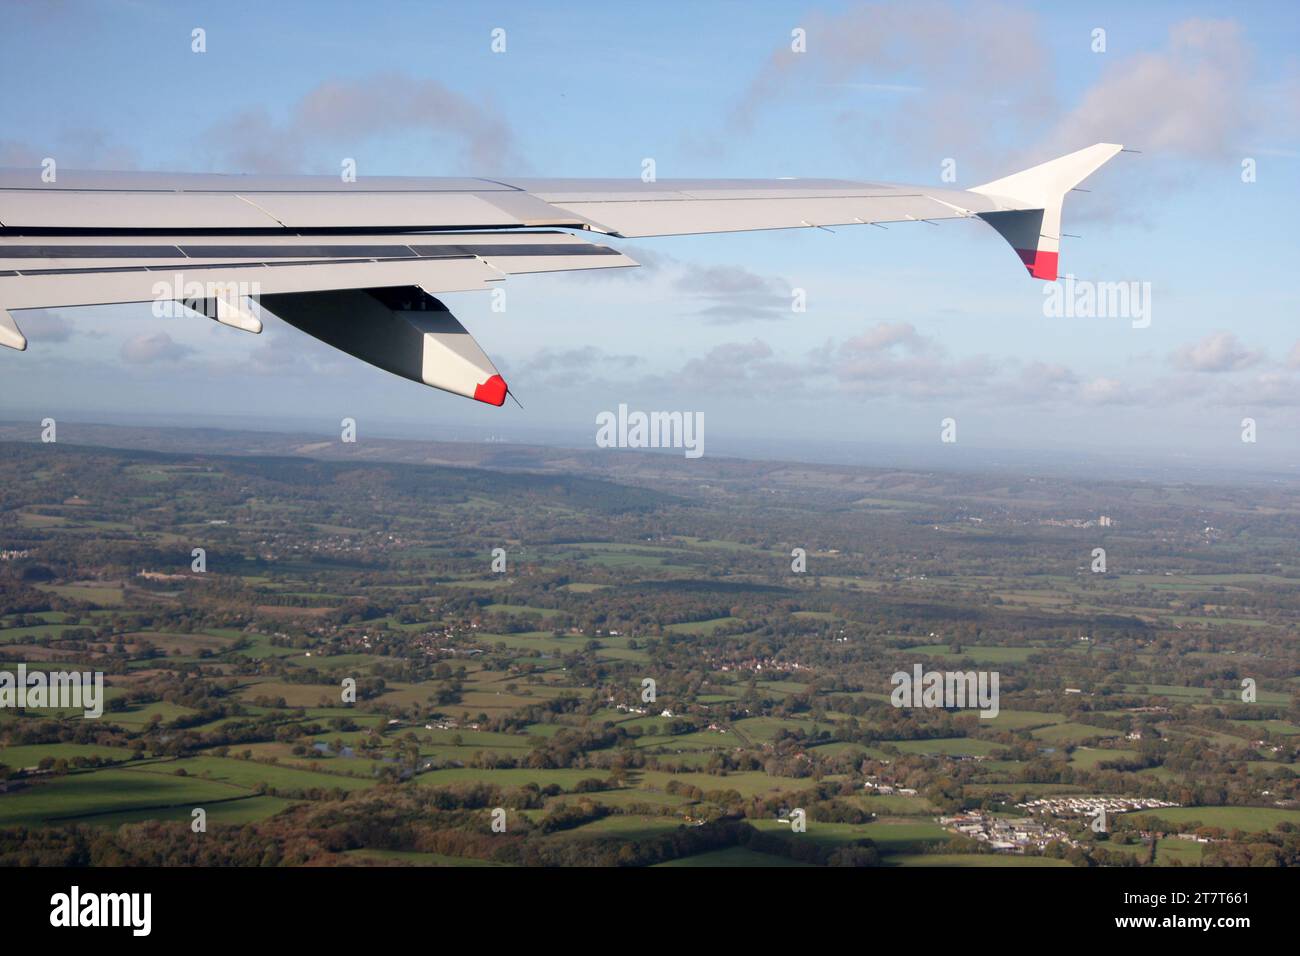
[(358, 264)]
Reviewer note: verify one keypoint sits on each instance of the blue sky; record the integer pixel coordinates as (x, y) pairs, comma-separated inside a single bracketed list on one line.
[(904, 327)]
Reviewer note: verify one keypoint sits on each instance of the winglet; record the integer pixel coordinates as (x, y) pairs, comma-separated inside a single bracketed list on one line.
[(1030, 219)]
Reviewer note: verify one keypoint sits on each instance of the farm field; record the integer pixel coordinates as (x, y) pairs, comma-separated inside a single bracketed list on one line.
[(649, 682)]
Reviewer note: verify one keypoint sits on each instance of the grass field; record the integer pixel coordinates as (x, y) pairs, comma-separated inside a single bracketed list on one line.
[(747, 784), (765, 729), (980, 655), (1071, 732), (1089, 758), (627, 827), (231, 812), (511, 778), (82, 794), (95, 594), (956, 746), (733, 857), (997, 860), (888, 833), (1021, 719), (703, 627), (412, 858), (1250, 819), (31, 755), (248, 774)]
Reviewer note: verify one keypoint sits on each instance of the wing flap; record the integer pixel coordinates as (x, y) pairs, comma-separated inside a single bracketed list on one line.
[(67, 288), (510, 252)]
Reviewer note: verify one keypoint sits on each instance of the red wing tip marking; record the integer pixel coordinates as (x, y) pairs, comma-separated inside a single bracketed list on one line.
[(493, 391), (1041, 265)]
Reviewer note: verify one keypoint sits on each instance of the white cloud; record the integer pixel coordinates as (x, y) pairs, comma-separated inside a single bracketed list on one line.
[(734, 293), (1190, 98), (989, 71), (1218, 352), (344, 114), (42, 325), (153, 347), (1105, 391)]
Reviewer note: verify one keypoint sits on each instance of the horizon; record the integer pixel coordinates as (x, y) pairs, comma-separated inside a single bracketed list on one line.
[(1121, 468)]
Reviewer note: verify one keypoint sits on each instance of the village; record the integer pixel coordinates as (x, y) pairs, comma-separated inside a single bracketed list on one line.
[(1018, 834), (1006, 834)]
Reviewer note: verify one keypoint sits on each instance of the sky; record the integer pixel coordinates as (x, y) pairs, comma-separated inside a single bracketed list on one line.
[(903, 327)]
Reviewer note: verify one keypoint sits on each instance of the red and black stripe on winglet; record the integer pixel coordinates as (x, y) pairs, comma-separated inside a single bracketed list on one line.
[(1023, 231), (1040, 263)]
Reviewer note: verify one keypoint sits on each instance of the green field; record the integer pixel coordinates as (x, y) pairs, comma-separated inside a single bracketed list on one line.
[(970, 859), (1071, 732), (735, 856), (85, 793), (978, 654), (956, 746), (32, 754), (1250, 819)]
